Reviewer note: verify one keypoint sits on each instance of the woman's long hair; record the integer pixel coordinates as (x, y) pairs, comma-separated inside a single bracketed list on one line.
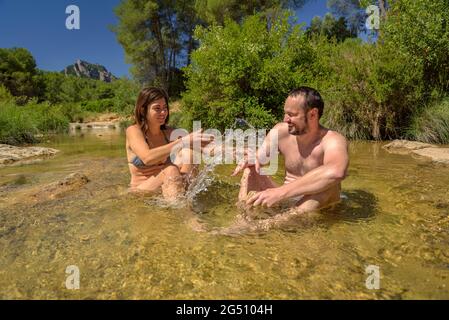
[(146, 97)]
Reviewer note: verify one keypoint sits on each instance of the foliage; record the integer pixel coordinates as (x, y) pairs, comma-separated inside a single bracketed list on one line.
[(244, 71), (419, 30), (18, 73), (371, 90), (157, 35), (330, 27), (431, 124)]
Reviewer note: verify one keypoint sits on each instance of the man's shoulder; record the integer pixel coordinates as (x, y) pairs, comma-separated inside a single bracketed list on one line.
[(281, 128), (333, 138)]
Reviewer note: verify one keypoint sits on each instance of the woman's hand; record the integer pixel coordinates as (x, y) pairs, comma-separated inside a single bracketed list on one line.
[(197, 138)]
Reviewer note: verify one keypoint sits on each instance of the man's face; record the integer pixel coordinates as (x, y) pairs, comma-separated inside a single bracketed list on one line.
[(295, 116)]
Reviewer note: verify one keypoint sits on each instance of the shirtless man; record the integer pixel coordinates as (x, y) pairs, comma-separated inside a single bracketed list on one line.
[(316, 161)]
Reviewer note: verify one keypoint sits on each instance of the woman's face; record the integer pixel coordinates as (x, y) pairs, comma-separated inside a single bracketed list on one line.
[(157, 112)]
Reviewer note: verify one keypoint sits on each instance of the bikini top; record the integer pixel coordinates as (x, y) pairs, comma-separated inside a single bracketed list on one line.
[(138, 163)]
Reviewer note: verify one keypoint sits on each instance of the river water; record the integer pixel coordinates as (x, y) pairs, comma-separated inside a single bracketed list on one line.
[(394, 215)]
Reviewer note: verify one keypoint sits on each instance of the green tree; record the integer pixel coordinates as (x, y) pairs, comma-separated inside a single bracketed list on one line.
[(157, 35), (419, 30), (245, 71), (354, 12), (330, 27), (18, 73), (217, 11), (153, 34)]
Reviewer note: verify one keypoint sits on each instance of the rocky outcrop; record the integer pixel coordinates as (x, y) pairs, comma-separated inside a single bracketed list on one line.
[(83, 69), (11, 154), (428, 151)]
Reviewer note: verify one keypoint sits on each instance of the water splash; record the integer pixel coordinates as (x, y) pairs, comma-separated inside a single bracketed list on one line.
[(242, 124), (205, 178)]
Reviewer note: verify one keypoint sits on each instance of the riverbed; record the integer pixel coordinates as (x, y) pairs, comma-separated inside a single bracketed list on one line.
[(394, 215)]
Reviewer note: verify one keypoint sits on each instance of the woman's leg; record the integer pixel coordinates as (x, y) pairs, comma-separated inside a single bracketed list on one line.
[(184, 161), (169, 179)]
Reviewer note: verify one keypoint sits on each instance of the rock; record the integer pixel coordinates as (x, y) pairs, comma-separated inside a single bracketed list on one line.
[(63, 187), (11, 154), (429, 151), (83, 69), (439, 155), (405, 146), (95, 125)]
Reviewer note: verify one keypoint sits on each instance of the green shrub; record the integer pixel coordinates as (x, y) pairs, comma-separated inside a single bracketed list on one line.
[(5, 95), (16, 125), (431, 124), (245, 71), (370, 93), (20, 124), (98, 106), (418, 30)]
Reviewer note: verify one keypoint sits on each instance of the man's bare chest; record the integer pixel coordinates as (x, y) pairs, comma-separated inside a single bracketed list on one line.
[(299, 161)]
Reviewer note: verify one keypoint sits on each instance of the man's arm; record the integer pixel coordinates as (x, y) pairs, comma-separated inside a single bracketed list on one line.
[(262, 156), (333, 171)]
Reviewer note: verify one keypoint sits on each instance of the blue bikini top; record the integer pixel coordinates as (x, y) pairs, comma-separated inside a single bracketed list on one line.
[(138, 163)]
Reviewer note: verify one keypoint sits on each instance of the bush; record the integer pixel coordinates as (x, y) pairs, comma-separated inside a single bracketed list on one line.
[(245, 72), (431, 124), (98, 106), (16, 126), (20, 124), (418, 30), (5, 95), (369, 92)]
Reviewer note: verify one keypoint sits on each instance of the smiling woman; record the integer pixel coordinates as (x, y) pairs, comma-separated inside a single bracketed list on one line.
[(149, 148)]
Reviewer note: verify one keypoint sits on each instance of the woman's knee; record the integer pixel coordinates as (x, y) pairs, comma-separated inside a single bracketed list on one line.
[(171, 171)]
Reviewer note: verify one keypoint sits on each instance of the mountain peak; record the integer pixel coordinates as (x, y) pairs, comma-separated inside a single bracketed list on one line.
[(84, 69)]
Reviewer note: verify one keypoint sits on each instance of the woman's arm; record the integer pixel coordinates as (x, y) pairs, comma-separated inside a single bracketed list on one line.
[(139, 146)]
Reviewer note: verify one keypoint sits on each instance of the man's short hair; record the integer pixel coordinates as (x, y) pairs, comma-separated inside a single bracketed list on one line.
[(312, 97)]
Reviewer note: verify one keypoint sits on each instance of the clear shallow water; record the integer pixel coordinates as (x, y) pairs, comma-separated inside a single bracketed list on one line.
[(395, 216)]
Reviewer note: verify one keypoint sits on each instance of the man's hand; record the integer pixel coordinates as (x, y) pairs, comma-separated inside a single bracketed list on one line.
[(266, 198), (245, 163)]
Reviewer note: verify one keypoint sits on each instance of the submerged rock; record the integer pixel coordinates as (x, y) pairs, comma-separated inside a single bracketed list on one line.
[(11, 154), (429, 151), (439, 155), (63, 187), (405, 146)]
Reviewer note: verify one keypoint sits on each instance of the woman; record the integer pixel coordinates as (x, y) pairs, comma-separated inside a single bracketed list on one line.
[(148, 147)]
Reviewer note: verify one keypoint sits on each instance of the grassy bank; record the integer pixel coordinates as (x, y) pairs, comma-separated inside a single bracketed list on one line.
[(23, 124)]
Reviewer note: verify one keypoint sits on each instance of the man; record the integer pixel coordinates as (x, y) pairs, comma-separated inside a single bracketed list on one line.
[(316, 161)]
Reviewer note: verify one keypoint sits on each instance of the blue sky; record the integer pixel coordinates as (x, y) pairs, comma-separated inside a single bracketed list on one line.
[(39, 26)]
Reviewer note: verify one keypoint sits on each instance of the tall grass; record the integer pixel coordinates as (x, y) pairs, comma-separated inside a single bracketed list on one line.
[(431, 125), (20, 124)]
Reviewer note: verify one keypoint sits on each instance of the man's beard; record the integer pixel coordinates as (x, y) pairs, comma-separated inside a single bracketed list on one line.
[(299, 132)]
